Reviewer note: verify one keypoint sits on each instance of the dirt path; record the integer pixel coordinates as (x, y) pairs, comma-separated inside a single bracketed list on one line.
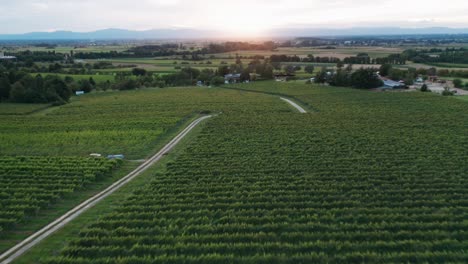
[(40, 235), (299, 108)]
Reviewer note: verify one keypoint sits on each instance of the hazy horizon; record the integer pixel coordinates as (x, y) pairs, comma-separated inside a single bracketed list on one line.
[(242, 18)]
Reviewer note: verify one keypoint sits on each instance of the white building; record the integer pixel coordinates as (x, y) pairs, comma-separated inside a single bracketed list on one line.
[(3, 57)]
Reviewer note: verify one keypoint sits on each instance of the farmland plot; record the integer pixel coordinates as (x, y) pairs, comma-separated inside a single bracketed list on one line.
[(369, 177), (28, 184)]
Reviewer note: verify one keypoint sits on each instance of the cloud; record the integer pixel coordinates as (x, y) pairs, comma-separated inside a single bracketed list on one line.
[(241, 15)]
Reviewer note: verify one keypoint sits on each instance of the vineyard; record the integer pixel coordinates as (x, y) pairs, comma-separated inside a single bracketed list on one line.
[(56, 140), (28, 184), (366, 177), (129, 123)]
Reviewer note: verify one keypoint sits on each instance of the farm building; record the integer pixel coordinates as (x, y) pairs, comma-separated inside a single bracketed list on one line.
[(3, 57), (390, 84), (232, 78)]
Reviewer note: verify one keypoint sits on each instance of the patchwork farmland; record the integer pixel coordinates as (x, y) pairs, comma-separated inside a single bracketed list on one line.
[(362, 177)]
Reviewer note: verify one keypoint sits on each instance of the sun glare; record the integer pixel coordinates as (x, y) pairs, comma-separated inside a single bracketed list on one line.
[(243, 24)]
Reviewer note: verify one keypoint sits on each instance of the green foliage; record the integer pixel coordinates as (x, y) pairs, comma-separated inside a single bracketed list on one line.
[(365, 79), (366, 178), (424, 88), (5, 88), (245, 75), (206, 75), (309, 69), (28, 184), (447, 92), (385, 69), (85, 86), (321, 76), (129, 84), (458, 83), (217, 81), (28, 89), (139, 72)]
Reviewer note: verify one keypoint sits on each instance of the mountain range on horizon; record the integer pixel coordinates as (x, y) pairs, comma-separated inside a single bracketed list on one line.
[(109, 34)]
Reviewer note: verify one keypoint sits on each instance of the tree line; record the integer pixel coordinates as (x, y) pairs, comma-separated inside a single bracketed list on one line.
[(448, 55), (362, 58), (363, 78)]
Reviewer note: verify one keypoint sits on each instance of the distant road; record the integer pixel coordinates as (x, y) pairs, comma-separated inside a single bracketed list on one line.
[(298, 107), (40, 235)]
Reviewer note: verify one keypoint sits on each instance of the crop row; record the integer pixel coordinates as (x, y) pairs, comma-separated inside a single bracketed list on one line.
[(28, 184), (368, 177), (129, 123)]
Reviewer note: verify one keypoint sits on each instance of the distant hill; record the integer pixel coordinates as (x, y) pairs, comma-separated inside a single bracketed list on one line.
[(194, 33), (112, 34), (376, 31)]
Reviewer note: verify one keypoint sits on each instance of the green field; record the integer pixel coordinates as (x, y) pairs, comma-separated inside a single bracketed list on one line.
[(20, 109), (365, 177), (339, 52), (448, 65), (67, 49), (58, 139), (109, 123), (29, 184)]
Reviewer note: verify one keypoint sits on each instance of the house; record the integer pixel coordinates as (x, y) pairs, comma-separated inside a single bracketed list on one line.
[(3, 57), (390, 84), (232, 78)]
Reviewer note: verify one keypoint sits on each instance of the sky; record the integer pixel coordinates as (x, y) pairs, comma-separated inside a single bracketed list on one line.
[(237, 17)]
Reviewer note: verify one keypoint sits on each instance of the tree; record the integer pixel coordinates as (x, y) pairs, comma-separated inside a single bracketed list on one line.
[(85, 86), (365, 79), (17, 92), (127, 85), (245, 75), (217, 81), (447, 92), (57, 89), (39, 84), (321, 76), (5, 88), (69, 79), (289, 69), (458, 83), (340, 78), (424, 88), (206, 75), (92, 82), (267, 72), (223, 70), (309, 69), (138, 72), (385, 69)]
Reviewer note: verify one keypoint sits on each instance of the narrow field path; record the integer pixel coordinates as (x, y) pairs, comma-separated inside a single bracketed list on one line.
[(40, 235), (298, 107)]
